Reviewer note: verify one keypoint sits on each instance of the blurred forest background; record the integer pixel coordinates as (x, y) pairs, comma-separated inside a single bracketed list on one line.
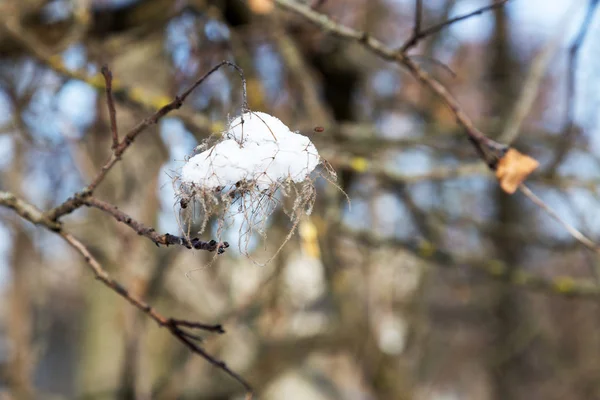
[(433, 284)]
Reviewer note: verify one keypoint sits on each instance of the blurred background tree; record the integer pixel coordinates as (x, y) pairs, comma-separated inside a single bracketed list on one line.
[(432, 284)]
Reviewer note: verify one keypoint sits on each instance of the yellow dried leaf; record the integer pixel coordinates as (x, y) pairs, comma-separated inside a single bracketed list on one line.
[(261, 6), (513, 169)]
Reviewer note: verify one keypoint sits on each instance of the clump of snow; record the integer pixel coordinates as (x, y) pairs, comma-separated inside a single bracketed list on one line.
[(261, 150), (257, 166)]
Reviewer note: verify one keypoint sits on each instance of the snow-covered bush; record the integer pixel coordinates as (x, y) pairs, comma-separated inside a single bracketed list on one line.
[(256, 166)]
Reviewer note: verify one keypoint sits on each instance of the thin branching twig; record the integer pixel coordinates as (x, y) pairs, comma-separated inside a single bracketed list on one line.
[(419, 34), (531, 86), (489, 150), (51, 220), (76, 201), (580, 237), (175, 326), (158, 239)]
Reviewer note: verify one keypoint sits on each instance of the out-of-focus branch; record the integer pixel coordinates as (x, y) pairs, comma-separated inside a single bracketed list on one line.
[(420, 34), (531, 86), (489, 151), (473, 169), (298, 68), (362, 165), (496, 269), (44, 55), (133, 96), (568, 130), (416, 33)]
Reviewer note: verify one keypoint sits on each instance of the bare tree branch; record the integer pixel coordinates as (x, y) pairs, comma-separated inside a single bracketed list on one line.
[(175, 326), (489, 150), (531, 86), (150, 233), (28, 211), (414, 38), (495, 269), (587, 242), (419, 34), (50, 221), (76, 200)]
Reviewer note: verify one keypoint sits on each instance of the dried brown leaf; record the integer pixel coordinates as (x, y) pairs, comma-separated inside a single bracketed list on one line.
[(513, 169)]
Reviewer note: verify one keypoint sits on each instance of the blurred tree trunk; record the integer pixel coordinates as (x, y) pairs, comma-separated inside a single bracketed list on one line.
[(19, 322), (508, 324)]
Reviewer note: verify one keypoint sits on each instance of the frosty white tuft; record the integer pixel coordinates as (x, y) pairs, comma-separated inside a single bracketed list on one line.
[(256, 166), (262, 151)]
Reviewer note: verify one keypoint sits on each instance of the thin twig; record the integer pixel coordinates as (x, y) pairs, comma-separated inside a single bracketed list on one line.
[(112, 112), (489, 150), (173, 325), (76, 200), (419, 34), (103, 276), (440, 26), (197, 325), (84, 197), (158, 239), (532, 84), (418, 17), (185, 94), (34, 215), (416, 33), (435, 62), (185, 339), (587, 242), (147, 103)]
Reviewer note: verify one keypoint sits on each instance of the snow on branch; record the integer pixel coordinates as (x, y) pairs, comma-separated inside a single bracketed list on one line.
[(256, 166), (258, 148)]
